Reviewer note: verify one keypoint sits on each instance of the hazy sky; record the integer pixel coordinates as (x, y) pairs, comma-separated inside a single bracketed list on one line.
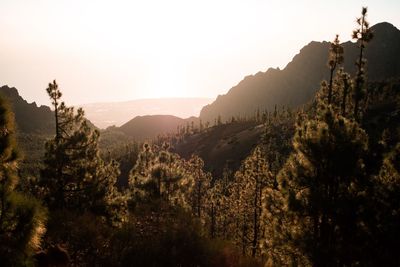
[(120, 50)]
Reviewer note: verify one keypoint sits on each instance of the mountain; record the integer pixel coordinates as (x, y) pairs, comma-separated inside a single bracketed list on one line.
[(104, 115), (297, 83), (28, 116), (148, 127)]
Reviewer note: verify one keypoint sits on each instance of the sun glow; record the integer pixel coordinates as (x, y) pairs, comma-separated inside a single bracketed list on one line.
[(107, 50), (168, 80)]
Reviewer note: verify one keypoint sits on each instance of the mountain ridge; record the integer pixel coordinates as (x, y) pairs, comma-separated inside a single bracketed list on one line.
[(30, 118), (296, 84)]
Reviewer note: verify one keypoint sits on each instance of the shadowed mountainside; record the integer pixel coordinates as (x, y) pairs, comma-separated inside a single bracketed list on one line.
[(30, 119), (222, 146), (28, 116), (297, 83)]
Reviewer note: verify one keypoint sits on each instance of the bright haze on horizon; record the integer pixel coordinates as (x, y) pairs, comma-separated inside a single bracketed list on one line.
[(103, 51)]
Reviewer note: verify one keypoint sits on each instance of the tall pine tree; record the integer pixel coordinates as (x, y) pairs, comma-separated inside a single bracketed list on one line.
[(325, 190), (74, 176), (362, 35), (335, 59), (200, 184)]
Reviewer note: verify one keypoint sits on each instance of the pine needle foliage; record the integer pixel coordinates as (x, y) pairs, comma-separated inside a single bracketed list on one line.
[(335, 59), (363, 35), (74, 176), (324, 187), (22, 218)]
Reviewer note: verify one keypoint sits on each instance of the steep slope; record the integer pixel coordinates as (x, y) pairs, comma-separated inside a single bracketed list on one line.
[(28, 116), (299, 80)]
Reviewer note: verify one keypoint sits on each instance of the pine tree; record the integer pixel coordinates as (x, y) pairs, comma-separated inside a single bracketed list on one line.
[(200, 184), (219, 120), (335, 59), (201, 126), (340, 101), (248, 187), (157, 176), (276, 142), (22, 218), (386, 238), (325, 190), (277, 146), (346, 85), (241, 211), (279, 227), (74, 175), (220, 206), (362, 35)]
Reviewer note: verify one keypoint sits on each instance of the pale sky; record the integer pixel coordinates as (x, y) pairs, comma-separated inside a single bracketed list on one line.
[(116, 50)]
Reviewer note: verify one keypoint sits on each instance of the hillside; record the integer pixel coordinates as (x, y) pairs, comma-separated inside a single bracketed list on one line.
[(222, 146), (104, 115), (299, 80), (29, 117), (149, 127)]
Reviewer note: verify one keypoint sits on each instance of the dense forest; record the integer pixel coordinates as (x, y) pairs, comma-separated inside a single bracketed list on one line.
[(313, 185)]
